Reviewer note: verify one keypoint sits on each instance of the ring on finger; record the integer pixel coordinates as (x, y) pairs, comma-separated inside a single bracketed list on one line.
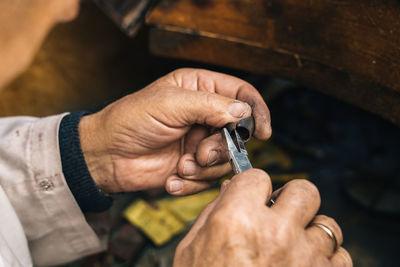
[(329, 232)]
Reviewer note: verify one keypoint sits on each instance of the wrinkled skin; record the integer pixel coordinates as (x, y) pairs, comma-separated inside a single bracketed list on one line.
[(144, 140), (161, 134), (238, 229)]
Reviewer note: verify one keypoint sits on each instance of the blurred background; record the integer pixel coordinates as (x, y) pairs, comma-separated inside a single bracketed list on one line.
[(350, 154)]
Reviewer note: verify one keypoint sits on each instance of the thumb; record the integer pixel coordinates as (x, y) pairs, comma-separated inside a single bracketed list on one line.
[(198, 107)]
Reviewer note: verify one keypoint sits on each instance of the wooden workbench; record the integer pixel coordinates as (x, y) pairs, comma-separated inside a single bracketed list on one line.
[(348, 49)]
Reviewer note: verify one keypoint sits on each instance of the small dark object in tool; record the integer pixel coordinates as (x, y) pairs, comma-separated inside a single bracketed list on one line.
[(236, 151), (245, 128)]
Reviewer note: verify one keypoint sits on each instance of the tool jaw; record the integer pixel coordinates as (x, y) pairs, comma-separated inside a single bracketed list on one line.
[(237, 151), (240, 163)]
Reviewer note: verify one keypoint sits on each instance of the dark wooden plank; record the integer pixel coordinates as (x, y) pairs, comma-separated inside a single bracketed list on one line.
[(352, 88), (350, 49)]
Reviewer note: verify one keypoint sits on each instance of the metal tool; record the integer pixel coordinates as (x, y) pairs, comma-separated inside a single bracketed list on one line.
[(237, 151), (238, 156)]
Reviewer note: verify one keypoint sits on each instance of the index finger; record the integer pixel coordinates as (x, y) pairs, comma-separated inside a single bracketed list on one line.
[(248, 189), (228, 86)]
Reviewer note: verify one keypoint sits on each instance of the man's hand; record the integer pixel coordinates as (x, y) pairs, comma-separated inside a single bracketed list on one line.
[(160, 136), (238, 229)]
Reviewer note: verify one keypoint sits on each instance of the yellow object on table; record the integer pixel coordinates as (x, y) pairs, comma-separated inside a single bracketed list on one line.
[(170, 215), (160, 225), (188, 208)]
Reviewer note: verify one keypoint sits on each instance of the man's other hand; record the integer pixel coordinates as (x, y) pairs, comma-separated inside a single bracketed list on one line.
[(162, 135), (239, 229)]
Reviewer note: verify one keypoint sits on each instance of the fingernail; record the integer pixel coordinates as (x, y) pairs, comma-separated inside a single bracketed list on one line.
[(212, 157), (238, 109), (189, 168), (175, 186)]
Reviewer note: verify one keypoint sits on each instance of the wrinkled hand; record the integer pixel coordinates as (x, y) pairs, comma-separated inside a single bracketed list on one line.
[(238, 229), (160, 136)]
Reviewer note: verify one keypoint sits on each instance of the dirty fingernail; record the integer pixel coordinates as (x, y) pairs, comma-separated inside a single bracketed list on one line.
[(189, 168), (175, 186), (212, 157), (238, 109)]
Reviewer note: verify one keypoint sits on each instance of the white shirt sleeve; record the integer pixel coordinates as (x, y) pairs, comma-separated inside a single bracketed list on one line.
[(32, 179)]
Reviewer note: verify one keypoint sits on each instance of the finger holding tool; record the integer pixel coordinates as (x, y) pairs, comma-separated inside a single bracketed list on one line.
[(237, 153)]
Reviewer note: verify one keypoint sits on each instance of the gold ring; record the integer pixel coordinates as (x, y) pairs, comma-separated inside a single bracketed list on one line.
[(329, 232)]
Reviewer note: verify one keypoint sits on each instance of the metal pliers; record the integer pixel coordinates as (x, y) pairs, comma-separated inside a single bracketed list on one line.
[(235, 144), (238, 156)]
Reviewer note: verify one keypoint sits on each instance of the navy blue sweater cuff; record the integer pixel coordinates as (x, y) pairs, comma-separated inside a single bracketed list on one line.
[(86, 193)]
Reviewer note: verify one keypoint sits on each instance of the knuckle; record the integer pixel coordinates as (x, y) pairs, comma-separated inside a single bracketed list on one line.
[(256, 176), (209, 98), (180, 72), (212, 102), (306, 187)]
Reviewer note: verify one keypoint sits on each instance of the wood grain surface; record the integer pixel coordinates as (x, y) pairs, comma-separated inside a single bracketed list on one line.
[(349, 49)]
